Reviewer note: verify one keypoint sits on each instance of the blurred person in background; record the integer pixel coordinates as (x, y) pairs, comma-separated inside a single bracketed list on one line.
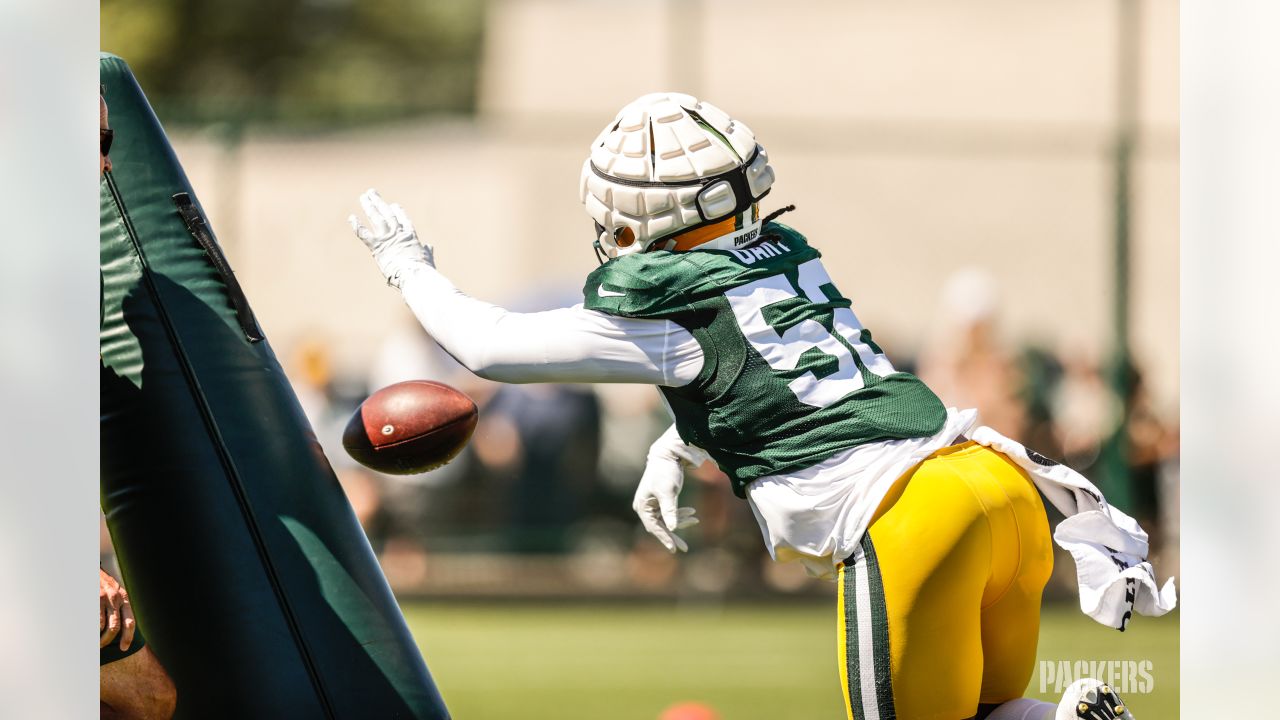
[(557, 431), (851, 467), (1086, 410), (964, 361), (1153, 461), (312, 380), (132, 682), (312, 376), (1042, 373)]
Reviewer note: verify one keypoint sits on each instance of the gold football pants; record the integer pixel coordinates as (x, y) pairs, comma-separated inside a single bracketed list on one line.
[(940, 604)]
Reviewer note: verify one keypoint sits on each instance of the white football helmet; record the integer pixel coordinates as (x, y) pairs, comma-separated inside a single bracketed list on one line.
[(669, 163)]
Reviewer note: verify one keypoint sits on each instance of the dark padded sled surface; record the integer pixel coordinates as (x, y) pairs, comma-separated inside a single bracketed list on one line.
[(246, 565)]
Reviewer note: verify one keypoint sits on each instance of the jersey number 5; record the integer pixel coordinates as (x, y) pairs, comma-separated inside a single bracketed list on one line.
[(783, 350)]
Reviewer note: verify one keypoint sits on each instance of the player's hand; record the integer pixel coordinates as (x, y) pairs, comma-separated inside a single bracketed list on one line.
[(390, 237), (115, 616), (656, 503), (657, 497)]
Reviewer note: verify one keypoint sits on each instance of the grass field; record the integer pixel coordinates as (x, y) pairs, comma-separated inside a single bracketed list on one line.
[(620, 662)]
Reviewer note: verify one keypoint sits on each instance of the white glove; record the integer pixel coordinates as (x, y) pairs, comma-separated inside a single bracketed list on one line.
[(390, 237), (657, 497)]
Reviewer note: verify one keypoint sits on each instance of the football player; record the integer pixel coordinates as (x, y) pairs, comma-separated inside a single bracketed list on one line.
[(940, 545)]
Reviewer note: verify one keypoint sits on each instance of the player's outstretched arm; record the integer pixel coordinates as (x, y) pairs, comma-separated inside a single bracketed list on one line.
[(657, 499), (565, 345)]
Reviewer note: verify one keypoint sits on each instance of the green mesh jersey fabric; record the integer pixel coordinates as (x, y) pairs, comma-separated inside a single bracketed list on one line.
[(790, 376)]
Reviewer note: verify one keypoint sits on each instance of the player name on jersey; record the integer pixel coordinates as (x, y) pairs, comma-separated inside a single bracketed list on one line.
[(762, 251)]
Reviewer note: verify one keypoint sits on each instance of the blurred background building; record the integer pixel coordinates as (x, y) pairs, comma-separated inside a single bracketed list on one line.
[(994, 183)]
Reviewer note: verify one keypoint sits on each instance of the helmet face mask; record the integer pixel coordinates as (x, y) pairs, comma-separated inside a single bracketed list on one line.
[(666, 165)]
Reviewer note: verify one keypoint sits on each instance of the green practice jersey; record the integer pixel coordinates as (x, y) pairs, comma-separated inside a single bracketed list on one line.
[(790, 376)]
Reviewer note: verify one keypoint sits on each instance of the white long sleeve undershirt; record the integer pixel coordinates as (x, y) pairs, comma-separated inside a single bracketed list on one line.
[(565, 345)]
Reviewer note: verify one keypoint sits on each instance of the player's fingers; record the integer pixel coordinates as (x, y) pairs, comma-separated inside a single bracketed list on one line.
[(686, 517), (128, 624), (402, 217), (648, 512), (113, 629), (102, 614), (366, 202), (679, 543), (384, 208), (667, 506), (361, 231), (373, 212), (687, 522), (640, 504), (660, 535), (669, 541)]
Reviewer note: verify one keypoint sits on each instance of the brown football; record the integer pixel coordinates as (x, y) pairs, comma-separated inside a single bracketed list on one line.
[(410, 427)]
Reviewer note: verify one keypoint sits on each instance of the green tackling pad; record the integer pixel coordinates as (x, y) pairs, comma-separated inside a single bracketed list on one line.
[(248, 570)]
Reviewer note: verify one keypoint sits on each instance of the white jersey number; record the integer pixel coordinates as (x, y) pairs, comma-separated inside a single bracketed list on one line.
[(783, 350)]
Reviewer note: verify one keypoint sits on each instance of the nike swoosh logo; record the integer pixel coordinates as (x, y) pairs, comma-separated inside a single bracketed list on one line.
[(607, 293)]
